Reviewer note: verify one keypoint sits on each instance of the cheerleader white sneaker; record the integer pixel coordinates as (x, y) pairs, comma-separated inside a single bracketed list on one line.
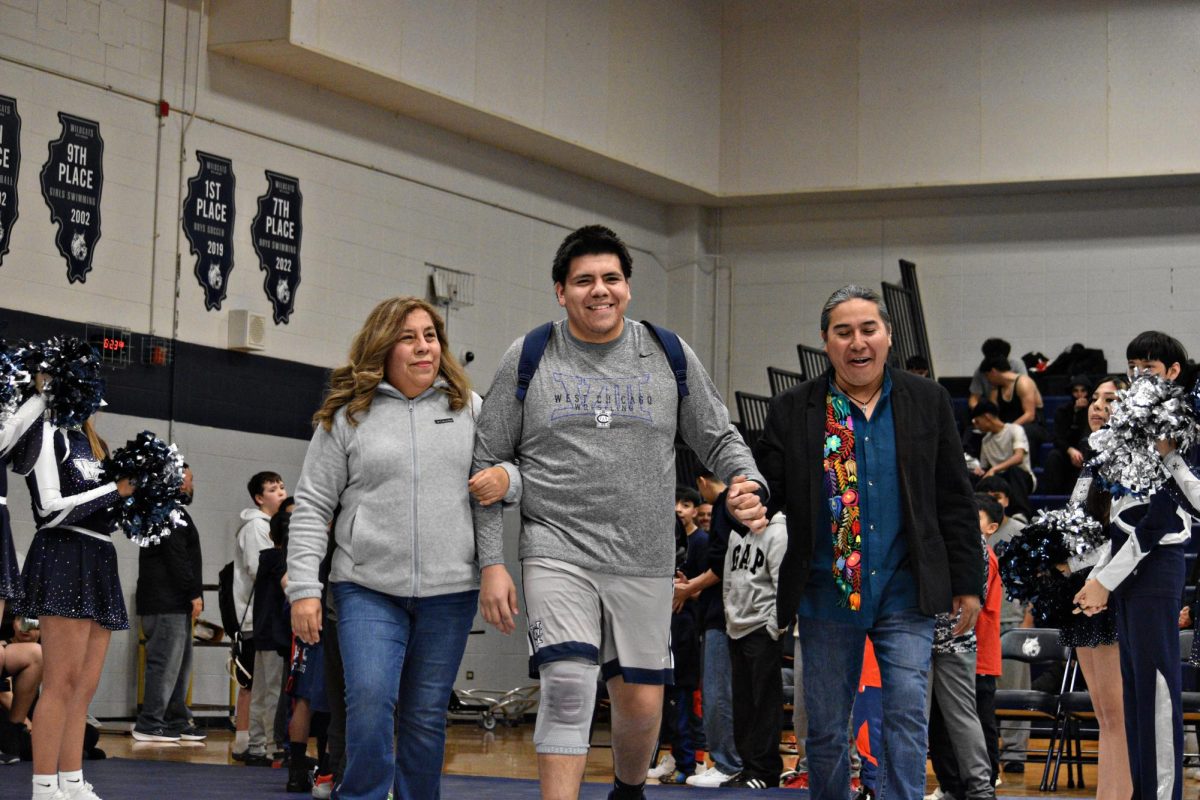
[(82, 791)]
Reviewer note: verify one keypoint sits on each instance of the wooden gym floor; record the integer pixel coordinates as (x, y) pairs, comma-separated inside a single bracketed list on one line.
[(508, 752)]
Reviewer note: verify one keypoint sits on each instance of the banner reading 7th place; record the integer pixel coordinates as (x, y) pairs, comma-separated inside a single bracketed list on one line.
[(276, 234)]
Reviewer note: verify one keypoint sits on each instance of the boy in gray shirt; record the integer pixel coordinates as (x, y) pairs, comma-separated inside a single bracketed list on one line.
[(594, 440), (751, 584)]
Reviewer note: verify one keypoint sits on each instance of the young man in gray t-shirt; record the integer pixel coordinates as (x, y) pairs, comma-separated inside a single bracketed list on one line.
[(594, 440)]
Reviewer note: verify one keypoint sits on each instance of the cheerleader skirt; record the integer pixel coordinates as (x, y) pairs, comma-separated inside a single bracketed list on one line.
[(10, 574), (73, 574), (1080, 630)]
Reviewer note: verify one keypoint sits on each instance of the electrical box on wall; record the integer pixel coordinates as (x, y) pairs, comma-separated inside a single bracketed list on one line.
[(247, 331)]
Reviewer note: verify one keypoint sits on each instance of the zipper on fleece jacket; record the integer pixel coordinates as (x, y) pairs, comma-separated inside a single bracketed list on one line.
[(412, 432)]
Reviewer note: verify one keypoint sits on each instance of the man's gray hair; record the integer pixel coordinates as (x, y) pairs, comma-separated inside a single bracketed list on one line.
[(854, 292)]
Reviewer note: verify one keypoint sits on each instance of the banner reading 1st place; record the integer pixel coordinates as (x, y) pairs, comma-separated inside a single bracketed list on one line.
[(208, 214), (10, 169), (276, 235), (72, 180)]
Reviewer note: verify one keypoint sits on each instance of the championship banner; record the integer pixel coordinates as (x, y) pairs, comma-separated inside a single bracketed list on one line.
[(208, 215), (10, 169), (72, 180), (275, 233)]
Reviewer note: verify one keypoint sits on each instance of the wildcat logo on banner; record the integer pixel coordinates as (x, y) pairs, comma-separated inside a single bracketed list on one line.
[(72, 180), (276, 235), (208, 214), (10, 169)]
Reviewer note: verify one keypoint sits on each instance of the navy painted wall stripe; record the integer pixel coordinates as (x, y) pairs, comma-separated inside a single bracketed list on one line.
[(203, 386)]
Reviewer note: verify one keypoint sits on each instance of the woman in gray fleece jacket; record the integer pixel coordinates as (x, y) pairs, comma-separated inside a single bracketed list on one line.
[(392, 449)]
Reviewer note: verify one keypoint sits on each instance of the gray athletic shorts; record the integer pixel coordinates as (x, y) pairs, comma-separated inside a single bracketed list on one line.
[(621, 623)]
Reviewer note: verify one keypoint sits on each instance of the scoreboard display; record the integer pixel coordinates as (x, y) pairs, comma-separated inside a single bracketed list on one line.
[(112, 343)]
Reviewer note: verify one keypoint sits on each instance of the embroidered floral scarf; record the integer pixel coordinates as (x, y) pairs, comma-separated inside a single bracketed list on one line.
[(841, 486)]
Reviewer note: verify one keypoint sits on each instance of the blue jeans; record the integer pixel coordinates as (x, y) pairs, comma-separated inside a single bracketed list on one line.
[(833, 657), (717, 697), (168, 670), (401, 656)]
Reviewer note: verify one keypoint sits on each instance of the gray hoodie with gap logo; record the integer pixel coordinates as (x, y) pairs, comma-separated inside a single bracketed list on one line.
[(400, 476)]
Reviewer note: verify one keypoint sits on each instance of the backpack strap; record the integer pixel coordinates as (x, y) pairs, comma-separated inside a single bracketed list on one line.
[(535, 345), (531, 354), (669, 342)]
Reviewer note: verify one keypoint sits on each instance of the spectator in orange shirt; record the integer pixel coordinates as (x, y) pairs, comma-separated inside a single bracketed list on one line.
[(987, 634)]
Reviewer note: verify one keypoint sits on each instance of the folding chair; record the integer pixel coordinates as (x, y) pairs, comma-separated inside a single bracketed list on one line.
[(1077, 710), (1033, 646)]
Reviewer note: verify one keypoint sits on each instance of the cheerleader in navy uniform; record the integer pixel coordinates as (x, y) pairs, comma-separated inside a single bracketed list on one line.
[(12, 433), (1143, 569), (1094, 638), (71, 585)]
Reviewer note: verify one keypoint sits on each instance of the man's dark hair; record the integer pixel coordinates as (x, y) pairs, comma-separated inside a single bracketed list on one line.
[(985, 407), (706, 473), (688, 495), (994, 484), (854, 292), (996, 348), (280, 525), (590, 240), (990, 363), (1157, 346), (917, 362), (990, 506), (259, 483)]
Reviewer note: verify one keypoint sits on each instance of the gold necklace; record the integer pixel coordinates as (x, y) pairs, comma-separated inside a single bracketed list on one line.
[(861, 404)]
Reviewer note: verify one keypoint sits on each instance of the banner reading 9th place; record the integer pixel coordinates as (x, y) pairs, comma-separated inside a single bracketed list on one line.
[(72, 180), (276, 233)]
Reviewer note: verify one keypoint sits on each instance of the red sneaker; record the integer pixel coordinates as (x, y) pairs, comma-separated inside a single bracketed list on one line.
[(797, 781)]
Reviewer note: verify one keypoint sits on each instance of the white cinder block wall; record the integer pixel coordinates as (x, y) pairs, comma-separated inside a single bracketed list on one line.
[(1043, 271)]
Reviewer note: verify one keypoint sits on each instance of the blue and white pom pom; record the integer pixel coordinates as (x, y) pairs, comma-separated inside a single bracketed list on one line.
[(155, 469), (14, 379), (1126, 460), (75, 388), (1029, 574)]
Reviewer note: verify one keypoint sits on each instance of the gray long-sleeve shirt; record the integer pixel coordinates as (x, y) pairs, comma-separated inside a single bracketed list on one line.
[(594, 441)]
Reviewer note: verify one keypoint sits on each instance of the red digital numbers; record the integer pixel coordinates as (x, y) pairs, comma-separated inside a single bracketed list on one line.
[(114, 344)]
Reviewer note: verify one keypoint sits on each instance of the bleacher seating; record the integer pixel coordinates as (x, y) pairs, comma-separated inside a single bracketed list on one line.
[(813, 360), (752, 410), (782, 380)]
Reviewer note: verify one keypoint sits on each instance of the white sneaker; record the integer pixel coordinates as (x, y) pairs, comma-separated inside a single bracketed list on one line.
[(81, 792), (666, 765), (1192, 773), (936, 794), (711, 779)]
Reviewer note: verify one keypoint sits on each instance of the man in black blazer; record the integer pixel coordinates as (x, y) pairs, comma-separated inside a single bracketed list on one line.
[(882, 534)]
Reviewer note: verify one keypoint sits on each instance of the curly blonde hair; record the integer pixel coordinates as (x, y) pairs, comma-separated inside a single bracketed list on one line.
[(353, 385)]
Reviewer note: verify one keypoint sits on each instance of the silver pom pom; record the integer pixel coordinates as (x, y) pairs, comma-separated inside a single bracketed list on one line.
[(1152, 409)]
